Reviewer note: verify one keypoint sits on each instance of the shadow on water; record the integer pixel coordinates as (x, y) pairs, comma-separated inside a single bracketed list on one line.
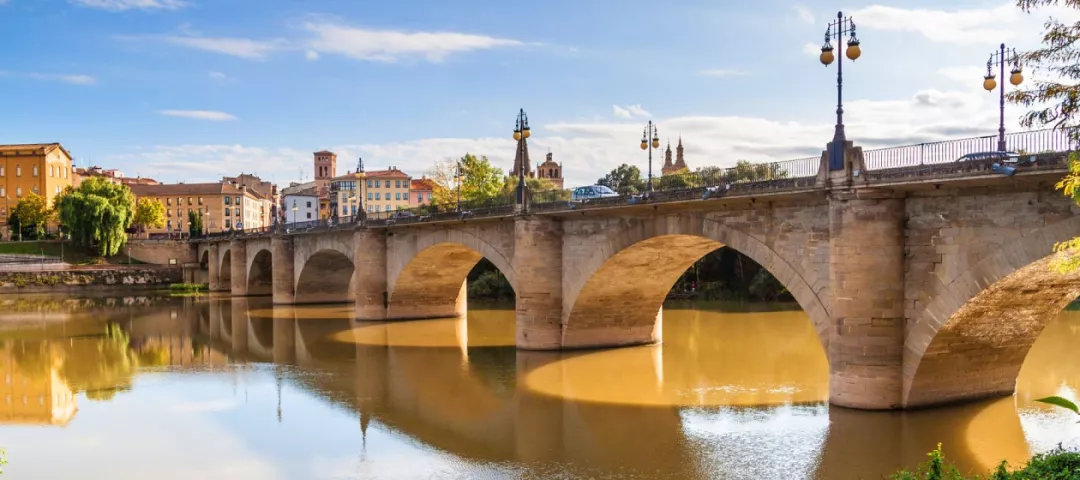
[(728, 395)]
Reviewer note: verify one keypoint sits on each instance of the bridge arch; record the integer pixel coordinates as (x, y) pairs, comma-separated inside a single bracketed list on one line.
[(428, 271), (617, 297), (225, 270), (260, 275), (326, 277), (975, 334)]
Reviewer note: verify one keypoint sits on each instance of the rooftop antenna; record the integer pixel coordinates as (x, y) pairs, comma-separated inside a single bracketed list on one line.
[(359, 164)]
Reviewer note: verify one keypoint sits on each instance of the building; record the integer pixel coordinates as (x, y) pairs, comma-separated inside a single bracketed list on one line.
[(36, 393), (347, 194), (301, 206), (680, 162), (387, 190), (224, 206), (551, 171), (43, 168), (81, 174), (421, 192), (325, 171), (263, 188)]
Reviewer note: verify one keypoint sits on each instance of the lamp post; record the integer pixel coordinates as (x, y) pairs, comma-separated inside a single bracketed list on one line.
[(999, 59), (650, 131), (521, 132), (457, 175), (294, 210), (837, 29)]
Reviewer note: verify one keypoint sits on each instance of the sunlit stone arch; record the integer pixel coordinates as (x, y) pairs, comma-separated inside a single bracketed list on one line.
[(973, 337), (427, 270), (324, 267), (225, 266), (260, 275), (615, 296)]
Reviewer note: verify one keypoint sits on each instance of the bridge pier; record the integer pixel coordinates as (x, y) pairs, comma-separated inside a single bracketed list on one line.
[(539, 293), (215, 268), (866, 276), (239, 267), (284, 278), (369, 276), (239, 326)]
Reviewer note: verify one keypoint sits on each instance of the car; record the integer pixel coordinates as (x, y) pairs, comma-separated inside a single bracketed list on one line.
[(1005, 158), (400, 215), (592, 192)]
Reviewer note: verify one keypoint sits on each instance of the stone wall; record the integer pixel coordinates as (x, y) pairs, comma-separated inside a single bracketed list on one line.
[(160, 252), (49, 281)]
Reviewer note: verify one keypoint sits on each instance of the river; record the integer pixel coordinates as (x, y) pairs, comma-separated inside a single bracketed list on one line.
[(218, 388)]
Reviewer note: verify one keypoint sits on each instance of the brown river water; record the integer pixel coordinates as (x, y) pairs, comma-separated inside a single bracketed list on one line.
[(218, 388)]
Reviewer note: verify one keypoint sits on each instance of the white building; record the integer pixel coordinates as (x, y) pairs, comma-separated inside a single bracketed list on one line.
[(301, 207)]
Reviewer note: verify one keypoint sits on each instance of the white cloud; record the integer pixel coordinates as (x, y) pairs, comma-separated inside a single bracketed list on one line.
[(804, 14), (311, 55), (198, 114), (217, 75), (122, 5), (812, 49), (977, 26), (391, 46), (721, 72), (237, 47), (629, 111), (72, 79)]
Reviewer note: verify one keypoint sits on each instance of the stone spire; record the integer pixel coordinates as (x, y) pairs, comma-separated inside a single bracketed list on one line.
[(680, 161), (522, 152), (667, 157)]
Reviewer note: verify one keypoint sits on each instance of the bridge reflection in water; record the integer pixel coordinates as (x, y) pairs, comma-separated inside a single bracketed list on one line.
[(728, 395)]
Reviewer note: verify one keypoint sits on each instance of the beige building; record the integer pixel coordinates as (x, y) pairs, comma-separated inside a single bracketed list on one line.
[(44, 169), (224, 206), (421, 192), (347, 194), (386, 190)]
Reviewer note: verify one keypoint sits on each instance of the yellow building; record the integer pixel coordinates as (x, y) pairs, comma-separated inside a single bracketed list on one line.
[(43, 168), (346, 194), (224, 206), (386, 190)]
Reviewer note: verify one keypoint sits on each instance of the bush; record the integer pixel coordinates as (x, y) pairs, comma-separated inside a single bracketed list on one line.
[(490, 284), (1057, 464)]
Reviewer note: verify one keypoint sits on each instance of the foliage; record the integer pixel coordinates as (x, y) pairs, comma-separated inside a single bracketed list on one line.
[(1057, 464), (1054, 100), (624, 179), (490, 284), (744, 171), (1060, 402), (551, 192), (97, 214), (3, 460), (32, 211), (479, 180), (766, 287), (195, 226), (149, 213)]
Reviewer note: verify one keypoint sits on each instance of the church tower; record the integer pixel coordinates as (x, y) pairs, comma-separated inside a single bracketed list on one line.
[(680, 161), (551, 171)]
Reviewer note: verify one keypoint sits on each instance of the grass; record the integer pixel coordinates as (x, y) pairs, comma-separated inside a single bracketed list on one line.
[(188, 289), (72, 255)]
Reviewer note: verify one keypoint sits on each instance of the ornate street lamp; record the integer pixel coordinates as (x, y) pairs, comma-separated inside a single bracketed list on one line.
[(650, 131), (837, 29), (1000, 58), (521, 132)]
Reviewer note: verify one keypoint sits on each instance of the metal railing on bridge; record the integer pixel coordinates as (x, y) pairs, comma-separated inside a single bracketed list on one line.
[(1048, 148)]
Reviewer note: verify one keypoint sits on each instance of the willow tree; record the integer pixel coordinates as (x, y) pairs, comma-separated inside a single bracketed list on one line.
[(1054, 99), (97, 215)]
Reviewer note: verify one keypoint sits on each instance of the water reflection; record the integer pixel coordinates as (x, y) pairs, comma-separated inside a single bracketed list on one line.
[(307, 393)]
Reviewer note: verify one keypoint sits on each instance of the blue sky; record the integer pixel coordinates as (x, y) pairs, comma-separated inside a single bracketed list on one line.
[(195, 89)]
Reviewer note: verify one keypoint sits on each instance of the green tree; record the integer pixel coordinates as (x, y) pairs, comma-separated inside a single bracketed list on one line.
[(533, 185), (1055, 101), (624, 179), (97, 214), (32, 211), (479, 180), (195, 226), (744, 171), (149, 213)]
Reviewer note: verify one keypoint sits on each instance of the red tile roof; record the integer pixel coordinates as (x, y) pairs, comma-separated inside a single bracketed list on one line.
[(391, 173), (422, 184)]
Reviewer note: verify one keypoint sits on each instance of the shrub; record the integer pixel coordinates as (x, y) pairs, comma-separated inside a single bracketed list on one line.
[(1058, 464)]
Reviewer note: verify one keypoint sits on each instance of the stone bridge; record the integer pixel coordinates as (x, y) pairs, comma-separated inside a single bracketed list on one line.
[(925, 285)]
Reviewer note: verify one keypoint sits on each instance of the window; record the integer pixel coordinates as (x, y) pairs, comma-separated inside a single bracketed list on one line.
[(397, 196), (51, 170), (18, 191), (200, 200), (227, 209), (2, 192), (309, 204), (377, 208), (189, 200), (370, 209), (369, 184), (179, 212), (376, 184), (35, 171), (429, 194), (238, 201), (65, 172), (168, 201), (309, 215), (168, 213), (168, 225), (369, 195), (35, 189), (405, 195), (18, 170), (228, 200), (388, 208), (58, 189), (1, 171), (179, 201), (228, 223)]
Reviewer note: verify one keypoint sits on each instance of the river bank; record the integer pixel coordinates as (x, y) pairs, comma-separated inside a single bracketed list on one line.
[(97, 279)]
